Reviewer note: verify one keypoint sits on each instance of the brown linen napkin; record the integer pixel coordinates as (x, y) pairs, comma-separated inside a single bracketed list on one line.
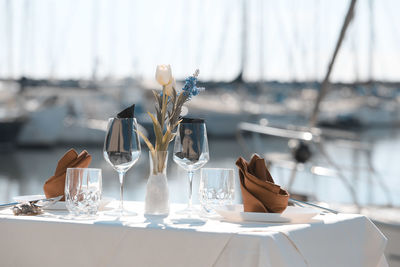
[(54, 186), (259, 192)]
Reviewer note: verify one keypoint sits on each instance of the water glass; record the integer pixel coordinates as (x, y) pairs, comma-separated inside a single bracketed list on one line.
[(83, 191), (217, 187)]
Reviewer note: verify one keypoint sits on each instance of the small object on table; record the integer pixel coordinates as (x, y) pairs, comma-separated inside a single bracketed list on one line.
[(26, 209), (302, 203), (259, 192), (55, 185)]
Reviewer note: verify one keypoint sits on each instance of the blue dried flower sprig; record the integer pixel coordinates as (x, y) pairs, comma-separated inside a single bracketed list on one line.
[(190, 89)]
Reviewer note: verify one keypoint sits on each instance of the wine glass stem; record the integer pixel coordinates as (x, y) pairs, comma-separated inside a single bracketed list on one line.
[(121, 191), (190, 176)]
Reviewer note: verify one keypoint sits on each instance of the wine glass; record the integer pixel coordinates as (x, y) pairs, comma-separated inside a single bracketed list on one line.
[(191, 150), (121, 149)]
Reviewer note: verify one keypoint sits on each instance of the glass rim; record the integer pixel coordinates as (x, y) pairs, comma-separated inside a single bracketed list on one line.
[(89, 169), (115, 118), (192, 122)]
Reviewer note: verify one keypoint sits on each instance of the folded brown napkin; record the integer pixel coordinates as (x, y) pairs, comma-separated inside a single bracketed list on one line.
[(54, 186), (259, 192), (127, 113)]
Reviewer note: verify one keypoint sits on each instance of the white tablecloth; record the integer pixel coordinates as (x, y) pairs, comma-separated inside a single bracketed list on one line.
[(54, 240)]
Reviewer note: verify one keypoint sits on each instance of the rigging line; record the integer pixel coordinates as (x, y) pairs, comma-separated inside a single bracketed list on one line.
[(62, 42), (306, 46), (165, 35), (261, 21), (113, 37), (131, 39), (10, 37), (24, 41), (284, 38), (371, 40), (391, 22), (301, 43), (296, 38), (95, 23), (174, 44), (1, 38), (317, 28), (306, 60), (185, 35), (32, 46), (200, 43), (223, 37), (396, 31), (243, 55), (51, 35)]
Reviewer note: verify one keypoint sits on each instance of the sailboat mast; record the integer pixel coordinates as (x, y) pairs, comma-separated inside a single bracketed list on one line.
[(243, 59), (316, 39), (10, 37), (95, 22), (371, 41), (325, 84), (261, 42)]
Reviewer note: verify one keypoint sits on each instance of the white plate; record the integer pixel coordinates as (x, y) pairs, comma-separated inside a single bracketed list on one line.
[(290, 214), (60, 205), (27, 198)]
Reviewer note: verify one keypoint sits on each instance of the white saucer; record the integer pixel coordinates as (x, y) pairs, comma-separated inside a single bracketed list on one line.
[(60, 205), (27, 198), (235, 213)]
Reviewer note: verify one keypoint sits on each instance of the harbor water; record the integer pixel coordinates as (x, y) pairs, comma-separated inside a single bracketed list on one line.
[(23, 171)]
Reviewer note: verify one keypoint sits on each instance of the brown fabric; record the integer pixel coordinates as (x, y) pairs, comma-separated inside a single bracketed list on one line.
[(259, 192), (54, 186)]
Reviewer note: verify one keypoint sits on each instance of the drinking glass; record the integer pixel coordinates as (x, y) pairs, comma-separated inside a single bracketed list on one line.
[(83, 191), (122, 150), (217, 187), (191, 151)]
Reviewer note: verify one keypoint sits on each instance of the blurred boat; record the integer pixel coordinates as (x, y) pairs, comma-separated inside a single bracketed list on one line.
[(12, 115), (46, 112)]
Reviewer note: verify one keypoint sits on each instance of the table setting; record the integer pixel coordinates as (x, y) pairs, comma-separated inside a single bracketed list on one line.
[(72, 222)]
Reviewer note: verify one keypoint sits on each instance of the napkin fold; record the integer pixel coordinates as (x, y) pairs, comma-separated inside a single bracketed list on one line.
[(259, 192), (54, 186), (127, 113)]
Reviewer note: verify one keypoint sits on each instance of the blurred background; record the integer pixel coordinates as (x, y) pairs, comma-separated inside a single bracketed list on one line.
[(313, 86)]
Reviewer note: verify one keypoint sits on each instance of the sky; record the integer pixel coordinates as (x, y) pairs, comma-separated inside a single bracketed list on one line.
[(285, 40)]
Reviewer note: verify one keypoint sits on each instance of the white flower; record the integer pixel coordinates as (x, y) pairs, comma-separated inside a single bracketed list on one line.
[(170, 87), (164, 74)]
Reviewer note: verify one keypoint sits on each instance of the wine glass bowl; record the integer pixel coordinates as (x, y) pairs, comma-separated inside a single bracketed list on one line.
[(191, 150), (121, 161), (122, 148)]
